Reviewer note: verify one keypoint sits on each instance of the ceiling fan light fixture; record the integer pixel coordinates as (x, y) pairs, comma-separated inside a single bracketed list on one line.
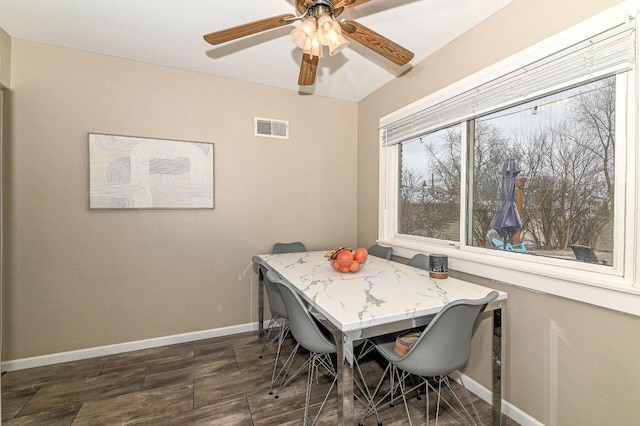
[(328, 29), (304, 34), (316, 47), (337, 44)]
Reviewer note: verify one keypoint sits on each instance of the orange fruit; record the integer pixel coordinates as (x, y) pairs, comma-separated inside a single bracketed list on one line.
[(344, 268), (355, 266), (361, 254), (345, 256), (335, 265)]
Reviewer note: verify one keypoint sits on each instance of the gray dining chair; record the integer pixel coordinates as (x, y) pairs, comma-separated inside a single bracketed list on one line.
[(279, 319), (443, 347), (317, 340), (419, 261), (288, 247), (380, 251)]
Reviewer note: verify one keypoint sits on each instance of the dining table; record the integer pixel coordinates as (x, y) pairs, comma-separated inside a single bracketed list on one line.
[(384, 296)]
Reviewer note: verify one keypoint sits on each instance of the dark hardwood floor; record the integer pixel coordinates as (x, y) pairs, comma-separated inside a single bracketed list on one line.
[(219, 381)]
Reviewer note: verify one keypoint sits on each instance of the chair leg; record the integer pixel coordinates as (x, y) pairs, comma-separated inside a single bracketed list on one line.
[(287, 381), (325, 361), (459, 414), (401, 386), (275, 363), (372, 405), (466, 411), (308, 393), (269, 341), (315, 361), (283, 371), (399, 390), (426, 397), (364, 389)]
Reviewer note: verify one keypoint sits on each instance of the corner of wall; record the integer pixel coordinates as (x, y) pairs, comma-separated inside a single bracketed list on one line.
[(5, 59)]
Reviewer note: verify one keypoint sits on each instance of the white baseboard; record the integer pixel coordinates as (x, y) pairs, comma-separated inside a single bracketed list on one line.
[(39, 361), (509, 409)]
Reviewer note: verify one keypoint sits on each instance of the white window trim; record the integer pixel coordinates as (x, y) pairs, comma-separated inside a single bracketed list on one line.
[(615, 288)]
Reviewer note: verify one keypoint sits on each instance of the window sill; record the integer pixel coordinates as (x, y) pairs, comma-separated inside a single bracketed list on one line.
[(593, 284)]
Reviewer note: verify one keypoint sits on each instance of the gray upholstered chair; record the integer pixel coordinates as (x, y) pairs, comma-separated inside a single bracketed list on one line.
[(315, 339), (419, 261), (443, 347), (380, 251)]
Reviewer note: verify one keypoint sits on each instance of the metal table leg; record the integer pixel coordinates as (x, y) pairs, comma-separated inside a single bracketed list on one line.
[(344, 370), (497, 417), (260, 304)]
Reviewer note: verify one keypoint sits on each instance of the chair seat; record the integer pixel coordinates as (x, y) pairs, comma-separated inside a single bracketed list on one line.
[(386, 348)]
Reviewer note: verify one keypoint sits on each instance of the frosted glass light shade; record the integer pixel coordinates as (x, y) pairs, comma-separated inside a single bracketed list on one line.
[(337, 44), (316, 47), (303, 35), (328, 29)]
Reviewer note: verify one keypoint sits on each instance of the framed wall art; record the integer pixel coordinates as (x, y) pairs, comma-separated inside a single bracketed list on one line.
[(144, 173)]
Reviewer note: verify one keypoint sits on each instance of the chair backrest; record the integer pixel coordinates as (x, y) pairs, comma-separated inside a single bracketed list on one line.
[(288, 247), (275, 299), (445, 345), (302, 325), (584, 253), (420, 261), (273, 293), (380, 251)]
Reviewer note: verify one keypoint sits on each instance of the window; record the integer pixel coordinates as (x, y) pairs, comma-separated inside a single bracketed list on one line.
[(430, 185), (564, 147), (564, 113)]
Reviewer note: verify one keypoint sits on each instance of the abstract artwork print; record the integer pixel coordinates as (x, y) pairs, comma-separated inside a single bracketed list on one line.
[(143, 173)]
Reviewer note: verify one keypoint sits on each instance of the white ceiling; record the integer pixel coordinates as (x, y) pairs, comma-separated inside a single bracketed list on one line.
[(169, 32)]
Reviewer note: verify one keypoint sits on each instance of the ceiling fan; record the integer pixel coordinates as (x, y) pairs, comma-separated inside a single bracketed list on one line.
[(319, 28)]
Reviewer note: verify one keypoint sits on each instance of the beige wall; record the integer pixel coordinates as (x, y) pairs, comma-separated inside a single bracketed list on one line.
[(566, 363), (5, 58), (76, 278)]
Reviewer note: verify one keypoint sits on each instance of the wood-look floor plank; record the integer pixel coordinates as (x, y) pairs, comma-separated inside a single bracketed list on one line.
[(221, 344), (189, 369), (76, 391), (234, 412), (62, 416), (146, 357), (14, 401), (231, 385), (137, 407), (57, 373)]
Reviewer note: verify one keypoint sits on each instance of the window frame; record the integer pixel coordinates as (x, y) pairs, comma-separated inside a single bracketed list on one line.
[(617, 286)]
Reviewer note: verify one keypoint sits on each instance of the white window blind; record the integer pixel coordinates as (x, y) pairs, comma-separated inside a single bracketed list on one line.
[(611, 51)]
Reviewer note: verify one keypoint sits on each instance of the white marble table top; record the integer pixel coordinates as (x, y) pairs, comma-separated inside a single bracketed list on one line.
[(382, 292)]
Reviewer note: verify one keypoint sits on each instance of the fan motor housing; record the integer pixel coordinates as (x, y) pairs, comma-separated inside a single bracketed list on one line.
[(325, 5)]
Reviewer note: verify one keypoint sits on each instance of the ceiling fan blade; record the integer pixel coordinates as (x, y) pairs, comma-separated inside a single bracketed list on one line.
[(247, 29), (349, 3), (374, 41), (308, 69)]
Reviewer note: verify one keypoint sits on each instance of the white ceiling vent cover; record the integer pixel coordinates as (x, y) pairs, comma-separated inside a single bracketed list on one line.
[(271, 128)]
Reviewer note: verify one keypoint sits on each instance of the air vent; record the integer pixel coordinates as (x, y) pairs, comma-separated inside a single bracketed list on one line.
[(271, 128)]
